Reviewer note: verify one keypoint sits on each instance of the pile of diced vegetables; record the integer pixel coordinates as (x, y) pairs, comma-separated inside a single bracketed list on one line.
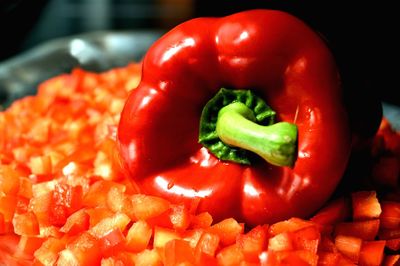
[(64, 199)]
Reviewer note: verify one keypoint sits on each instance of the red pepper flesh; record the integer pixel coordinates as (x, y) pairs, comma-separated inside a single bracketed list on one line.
[(285, 63)]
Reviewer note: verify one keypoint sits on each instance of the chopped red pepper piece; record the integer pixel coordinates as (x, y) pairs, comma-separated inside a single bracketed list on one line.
[(104, 228)]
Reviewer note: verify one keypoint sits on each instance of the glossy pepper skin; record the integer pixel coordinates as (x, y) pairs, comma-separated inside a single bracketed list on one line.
[(278, 57)]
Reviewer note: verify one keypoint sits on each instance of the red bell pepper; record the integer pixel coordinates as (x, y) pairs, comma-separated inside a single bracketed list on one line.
[(284, 64)]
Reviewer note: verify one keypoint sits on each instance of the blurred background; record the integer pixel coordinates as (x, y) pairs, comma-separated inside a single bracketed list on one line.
[(363, 36)]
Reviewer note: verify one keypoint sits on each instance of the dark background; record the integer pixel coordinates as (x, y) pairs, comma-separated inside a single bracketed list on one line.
[(362, 36)]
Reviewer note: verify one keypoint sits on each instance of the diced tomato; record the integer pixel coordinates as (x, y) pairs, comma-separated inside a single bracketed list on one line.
[(227, 230), (138, 236), (366, 230), (372, 253), (390, 216), (365, 205), (177, 252), (76, 223), (349, 246)]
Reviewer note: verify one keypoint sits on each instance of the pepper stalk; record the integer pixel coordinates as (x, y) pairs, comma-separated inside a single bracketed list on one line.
[(237, 121)]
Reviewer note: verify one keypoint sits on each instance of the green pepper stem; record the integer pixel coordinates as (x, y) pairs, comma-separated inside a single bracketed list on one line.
[(275, 143)]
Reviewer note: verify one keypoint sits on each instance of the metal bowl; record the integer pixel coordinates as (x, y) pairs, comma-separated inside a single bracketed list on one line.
[(94, 51)]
